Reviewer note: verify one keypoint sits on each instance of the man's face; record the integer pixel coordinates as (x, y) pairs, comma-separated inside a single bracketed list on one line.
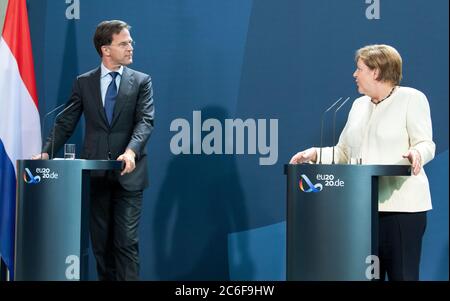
[(364, 77), (120, 52)]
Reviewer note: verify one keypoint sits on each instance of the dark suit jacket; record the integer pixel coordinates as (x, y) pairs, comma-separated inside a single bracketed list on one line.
[(131, 125)]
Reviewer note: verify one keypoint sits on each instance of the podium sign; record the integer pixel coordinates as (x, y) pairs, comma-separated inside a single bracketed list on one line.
[(332, 219), (52, 235)]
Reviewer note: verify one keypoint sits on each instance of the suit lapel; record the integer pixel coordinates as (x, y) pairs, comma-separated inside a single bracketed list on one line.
[(126, 84), (97, 99)]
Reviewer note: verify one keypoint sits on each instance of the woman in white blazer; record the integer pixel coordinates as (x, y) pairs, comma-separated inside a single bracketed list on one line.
[(390, 124)]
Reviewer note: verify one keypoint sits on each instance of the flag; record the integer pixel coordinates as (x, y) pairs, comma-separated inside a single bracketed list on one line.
[(20, 132)]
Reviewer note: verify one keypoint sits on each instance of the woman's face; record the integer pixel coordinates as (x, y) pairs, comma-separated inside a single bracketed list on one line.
[(365, 78)]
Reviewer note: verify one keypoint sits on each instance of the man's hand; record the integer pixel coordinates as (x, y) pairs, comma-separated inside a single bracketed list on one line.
[(43, 156), (128, 157), (415, 160), (305, 156)]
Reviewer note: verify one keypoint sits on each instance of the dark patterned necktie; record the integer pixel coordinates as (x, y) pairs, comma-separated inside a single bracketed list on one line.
[(110, 97)]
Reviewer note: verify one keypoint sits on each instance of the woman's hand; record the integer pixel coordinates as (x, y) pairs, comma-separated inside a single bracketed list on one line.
[(307, 155), (415, 159)]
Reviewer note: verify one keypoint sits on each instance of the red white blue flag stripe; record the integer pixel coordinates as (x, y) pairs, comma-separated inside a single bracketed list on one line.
[(20, 133)]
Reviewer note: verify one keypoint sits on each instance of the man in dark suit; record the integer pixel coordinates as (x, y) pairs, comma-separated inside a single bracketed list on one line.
[(117, 103)]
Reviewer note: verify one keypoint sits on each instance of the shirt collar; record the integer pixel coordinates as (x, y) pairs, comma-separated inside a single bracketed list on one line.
[(105, 71)]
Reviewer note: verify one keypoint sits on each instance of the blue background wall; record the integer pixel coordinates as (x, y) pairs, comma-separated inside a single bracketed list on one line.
[(221, 217)]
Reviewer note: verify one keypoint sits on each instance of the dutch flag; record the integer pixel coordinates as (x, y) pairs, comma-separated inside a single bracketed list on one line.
[(20, 133)]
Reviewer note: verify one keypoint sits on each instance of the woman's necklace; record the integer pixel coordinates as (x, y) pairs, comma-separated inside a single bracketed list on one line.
[(390, 93)]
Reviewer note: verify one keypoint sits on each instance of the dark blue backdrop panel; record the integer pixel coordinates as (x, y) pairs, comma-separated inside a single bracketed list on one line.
[(206, 216)]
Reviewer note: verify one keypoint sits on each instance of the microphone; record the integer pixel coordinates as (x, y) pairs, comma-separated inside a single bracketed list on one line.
[(43, 122), (54, 126), (334, 125), (321, 127)]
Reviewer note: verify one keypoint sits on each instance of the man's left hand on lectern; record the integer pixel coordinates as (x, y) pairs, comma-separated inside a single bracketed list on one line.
[(41, 156)]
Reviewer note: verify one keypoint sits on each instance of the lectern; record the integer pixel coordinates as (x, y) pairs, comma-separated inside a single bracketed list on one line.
[(52, 237), (332, 220)]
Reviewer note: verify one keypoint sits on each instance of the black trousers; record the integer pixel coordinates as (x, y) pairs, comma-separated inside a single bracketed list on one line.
[(400, 244), (114, 223)]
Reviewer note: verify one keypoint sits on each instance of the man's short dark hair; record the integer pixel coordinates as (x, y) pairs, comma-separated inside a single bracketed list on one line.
[(104, 32)]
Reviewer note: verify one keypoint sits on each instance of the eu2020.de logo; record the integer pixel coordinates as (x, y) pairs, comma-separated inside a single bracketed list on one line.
[(306, 185), (29, 178)]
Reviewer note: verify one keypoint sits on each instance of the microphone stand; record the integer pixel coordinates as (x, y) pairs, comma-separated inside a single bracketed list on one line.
[(54, 126), (334, 125), (43, 122), (321, 128)]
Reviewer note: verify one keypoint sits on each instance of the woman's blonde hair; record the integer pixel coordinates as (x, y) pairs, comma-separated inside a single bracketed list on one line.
[(385, 58)]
